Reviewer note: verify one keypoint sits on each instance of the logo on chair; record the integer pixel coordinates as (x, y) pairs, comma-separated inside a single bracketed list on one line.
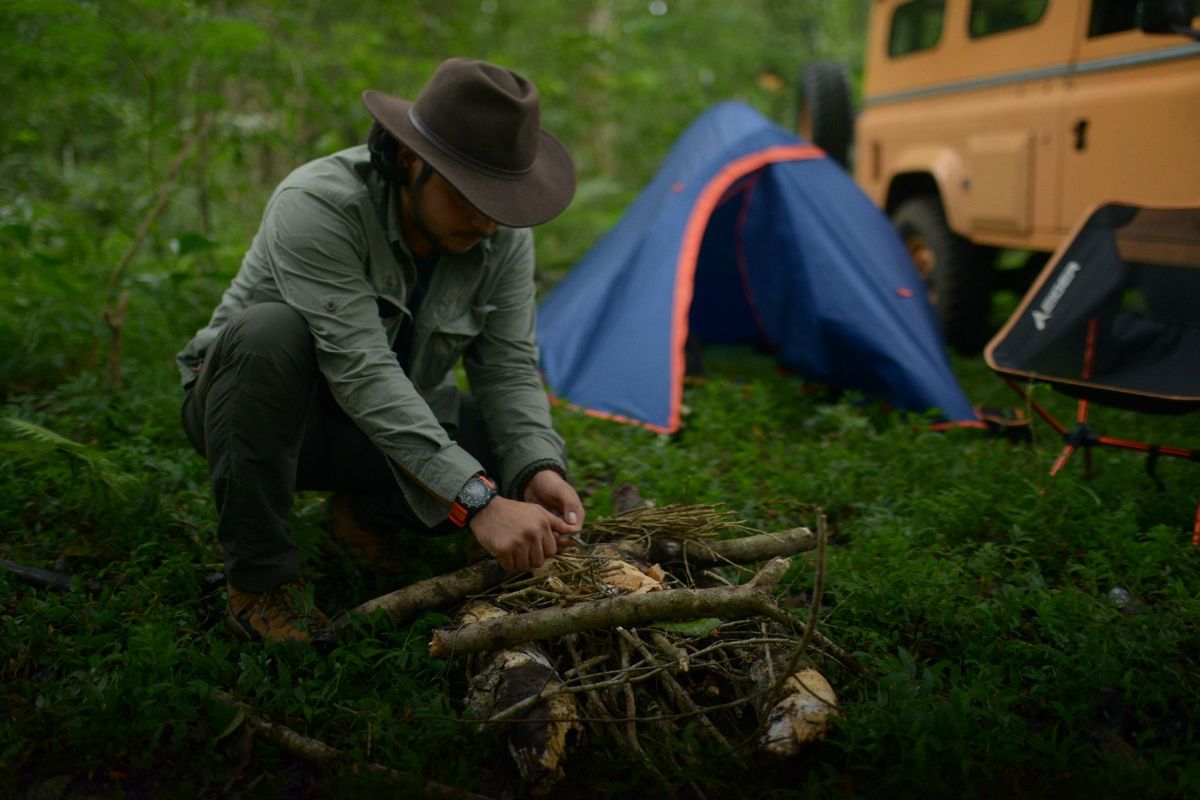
[(1045, 309)]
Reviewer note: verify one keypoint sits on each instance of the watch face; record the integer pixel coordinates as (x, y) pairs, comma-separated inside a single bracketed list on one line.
[(475, 493)]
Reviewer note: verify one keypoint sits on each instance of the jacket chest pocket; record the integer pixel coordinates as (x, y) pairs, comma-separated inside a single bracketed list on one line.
[(448, 340)]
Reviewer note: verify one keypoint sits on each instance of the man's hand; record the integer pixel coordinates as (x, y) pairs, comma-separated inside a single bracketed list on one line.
[(520, 535), (550, 491)]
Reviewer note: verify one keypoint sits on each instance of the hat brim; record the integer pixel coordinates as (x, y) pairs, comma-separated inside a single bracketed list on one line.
[(521, 201)]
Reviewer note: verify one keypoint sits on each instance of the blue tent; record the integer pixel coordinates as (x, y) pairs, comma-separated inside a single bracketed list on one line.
[(746, 234)]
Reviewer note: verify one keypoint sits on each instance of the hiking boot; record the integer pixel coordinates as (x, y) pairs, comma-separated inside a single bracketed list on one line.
[(281, 615), (371, 549)]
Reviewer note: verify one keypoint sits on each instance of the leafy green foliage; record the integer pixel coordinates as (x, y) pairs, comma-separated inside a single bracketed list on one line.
[(99, 468), (978, 592)]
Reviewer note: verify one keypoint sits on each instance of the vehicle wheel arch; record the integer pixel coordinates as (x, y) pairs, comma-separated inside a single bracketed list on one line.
[(908, 185), (936, 171)]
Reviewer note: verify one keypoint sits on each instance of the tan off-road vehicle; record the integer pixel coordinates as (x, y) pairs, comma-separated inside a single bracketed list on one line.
[(989, 124)]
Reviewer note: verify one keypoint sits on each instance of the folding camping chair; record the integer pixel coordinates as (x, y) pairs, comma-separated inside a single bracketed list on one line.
[(1113, 319)]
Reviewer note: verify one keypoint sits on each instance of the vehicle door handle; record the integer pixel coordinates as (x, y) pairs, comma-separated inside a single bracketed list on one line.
[(1080, 131)]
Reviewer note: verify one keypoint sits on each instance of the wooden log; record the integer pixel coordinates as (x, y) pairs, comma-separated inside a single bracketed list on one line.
[(804, 715), (753, 598), (540, 737)]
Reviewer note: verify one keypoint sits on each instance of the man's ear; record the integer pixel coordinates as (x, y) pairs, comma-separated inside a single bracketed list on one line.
[(408, 161)]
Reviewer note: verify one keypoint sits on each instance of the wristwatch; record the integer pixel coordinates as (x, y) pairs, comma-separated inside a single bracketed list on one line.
[(472, 498)]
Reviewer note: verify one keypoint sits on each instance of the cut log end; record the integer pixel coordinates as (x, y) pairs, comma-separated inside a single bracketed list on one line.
[(802, 717)]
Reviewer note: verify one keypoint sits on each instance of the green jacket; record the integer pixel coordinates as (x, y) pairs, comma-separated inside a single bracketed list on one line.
[(330, 247)]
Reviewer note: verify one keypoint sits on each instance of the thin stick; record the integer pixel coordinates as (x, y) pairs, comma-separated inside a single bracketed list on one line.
[(677, 692), (814, 610), (317, 752), (591, 662), (669, 650), (164, 192), (630, 703), (114, 317), (588, 688), (593, 698)]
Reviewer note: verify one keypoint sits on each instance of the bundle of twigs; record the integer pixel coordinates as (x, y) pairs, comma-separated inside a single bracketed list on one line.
[(680, 522), (603, 640)]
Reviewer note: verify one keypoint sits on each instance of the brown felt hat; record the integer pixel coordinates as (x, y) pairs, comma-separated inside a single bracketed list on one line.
[(478, 126)]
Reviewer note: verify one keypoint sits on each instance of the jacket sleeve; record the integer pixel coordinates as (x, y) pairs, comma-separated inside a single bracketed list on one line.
[(502, 367), (317, 255)]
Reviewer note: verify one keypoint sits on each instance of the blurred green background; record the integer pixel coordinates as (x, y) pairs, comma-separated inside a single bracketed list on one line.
[(100, 98)]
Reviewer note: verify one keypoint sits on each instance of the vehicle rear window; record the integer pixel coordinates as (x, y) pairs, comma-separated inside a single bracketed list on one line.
[(916, 26), (998, 16)]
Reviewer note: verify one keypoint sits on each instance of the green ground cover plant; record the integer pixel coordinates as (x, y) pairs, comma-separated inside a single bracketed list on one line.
[(1020, 635), (979, 593)]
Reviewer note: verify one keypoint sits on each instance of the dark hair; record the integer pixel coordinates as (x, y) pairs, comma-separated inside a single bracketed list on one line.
[(383, 147)]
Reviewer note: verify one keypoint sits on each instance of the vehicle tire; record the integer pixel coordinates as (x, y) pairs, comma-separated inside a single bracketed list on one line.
[(824, 115), (956, 272)]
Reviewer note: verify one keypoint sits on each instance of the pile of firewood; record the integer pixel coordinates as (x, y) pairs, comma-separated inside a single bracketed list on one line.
[(656, 622), (652, 624)]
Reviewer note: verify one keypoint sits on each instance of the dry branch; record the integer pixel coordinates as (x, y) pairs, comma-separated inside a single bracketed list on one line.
[(317, 752), (164, 192), (814, 611), (426, 595), (44, 578), (114, 317), (742, 550), (753, 598)]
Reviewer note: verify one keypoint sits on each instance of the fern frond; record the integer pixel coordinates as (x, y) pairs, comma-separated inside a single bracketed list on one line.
[(95, 462), (30, 430)]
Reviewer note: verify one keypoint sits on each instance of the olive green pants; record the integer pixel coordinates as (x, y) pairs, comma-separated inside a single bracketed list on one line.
[(263, 416)]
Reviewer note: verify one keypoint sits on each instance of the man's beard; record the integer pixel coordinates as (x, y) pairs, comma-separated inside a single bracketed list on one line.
[(438, 244)]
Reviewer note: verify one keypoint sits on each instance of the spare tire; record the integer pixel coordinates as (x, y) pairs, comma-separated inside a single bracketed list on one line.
[(824, 115)]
